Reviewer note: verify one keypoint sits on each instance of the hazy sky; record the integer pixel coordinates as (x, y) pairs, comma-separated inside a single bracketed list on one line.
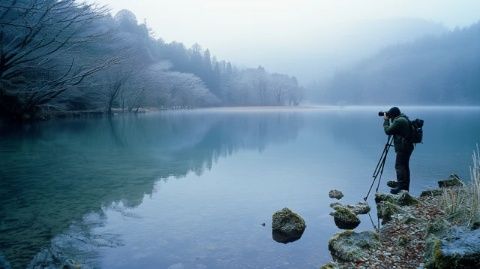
[(245, 31)]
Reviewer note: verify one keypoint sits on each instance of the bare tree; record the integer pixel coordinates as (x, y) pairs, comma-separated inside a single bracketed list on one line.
[(36, 63)]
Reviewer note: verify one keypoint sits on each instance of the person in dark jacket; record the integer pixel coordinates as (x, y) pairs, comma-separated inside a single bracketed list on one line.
[(397, 124)]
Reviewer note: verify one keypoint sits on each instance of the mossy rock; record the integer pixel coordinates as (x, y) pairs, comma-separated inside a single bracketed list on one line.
[(335, 194), (405, 199), (360, 208), (381, 197), (435, 192), (438, 227), (349, 246), (287, 226), (385, 211), (452, 181), (457, 248), (345, 219)]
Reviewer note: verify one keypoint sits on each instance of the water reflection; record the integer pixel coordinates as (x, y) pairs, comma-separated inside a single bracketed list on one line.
[(55, 173)]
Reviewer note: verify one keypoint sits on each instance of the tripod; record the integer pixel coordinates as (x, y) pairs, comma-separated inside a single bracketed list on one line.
[(377, 174)]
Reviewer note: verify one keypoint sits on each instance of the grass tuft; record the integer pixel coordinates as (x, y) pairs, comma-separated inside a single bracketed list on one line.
[(462, 204)]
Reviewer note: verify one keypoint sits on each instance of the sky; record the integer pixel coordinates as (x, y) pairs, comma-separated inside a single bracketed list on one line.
[(261, 32)]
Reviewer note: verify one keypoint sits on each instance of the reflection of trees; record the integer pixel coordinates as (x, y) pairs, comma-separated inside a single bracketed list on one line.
[(56, 172)]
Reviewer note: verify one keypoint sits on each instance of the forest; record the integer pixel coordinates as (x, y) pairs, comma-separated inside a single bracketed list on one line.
[(434, 70), (60, 56)]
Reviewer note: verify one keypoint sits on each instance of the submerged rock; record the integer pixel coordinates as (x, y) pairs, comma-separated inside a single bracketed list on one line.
[(287, 226), (452, 181), (349, 246), (335, 194), (345, 218), (457, 248)]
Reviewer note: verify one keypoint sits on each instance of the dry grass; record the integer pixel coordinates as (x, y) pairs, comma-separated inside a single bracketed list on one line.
[(462, 205), (475, 187)]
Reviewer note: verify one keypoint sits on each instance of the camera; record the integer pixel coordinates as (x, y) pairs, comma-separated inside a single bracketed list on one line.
[(382, 113)]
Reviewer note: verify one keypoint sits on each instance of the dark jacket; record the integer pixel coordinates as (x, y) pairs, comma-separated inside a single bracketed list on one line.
[(400, 129)]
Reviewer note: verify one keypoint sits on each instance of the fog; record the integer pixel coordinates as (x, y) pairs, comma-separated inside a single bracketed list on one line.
[(309, 39), (106, 56)]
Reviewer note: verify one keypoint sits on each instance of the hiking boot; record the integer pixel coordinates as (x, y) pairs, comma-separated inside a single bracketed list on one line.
[(392, 184), (395, 190)]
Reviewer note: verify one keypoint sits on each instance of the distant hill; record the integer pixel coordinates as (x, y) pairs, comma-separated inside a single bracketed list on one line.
[(344, 44), (441, 69)]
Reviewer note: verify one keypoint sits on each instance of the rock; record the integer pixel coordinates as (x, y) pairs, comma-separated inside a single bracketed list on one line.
[(330, 265), (438, 227), (336, 194), (435, 192), (385, 210), (349, 246), (458, 248), (405, 199), (287, 226), (345, 219), (336, 204), (452, 181), (360, 208), (381, 197)]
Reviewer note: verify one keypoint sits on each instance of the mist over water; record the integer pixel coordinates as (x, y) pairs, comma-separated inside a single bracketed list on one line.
[(191, 189)]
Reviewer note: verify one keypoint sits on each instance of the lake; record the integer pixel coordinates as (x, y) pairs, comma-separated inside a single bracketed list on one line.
[(191, 189)]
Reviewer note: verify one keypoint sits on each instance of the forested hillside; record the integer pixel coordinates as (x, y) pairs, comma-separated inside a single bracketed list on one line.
[(63, 55), (440, 70)]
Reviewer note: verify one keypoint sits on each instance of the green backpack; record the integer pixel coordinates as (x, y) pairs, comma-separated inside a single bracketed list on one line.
[(416, 131)]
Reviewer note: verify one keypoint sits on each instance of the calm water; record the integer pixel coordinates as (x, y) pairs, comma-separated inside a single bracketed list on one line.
[(191, 189)]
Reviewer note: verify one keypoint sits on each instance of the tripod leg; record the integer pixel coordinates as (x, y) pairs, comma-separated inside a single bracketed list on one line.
[(379, 167)]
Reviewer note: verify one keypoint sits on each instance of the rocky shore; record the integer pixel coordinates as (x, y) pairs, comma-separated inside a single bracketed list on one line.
[(416, 232)]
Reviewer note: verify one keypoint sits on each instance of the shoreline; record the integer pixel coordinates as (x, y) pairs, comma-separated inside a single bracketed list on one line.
[(417, 234)]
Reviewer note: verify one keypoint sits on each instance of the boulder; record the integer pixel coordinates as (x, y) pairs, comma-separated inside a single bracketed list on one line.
[(405, 199), (349, 246), (360, 208), (386, 209), (381, 197), (345, 219), (457, 248), (452, 181), (287, 226), (335, 194)]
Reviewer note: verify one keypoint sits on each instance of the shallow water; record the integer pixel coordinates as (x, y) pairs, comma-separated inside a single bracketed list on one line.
[(191, 189)]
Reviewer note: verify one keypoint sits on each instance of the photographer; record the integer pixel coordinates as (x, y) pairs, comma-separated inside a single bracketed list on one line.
[(398, 125)]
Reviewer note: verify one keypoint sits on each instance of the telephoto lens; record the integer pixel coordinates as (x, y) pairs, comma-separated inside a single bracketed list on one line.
[(381, 114)]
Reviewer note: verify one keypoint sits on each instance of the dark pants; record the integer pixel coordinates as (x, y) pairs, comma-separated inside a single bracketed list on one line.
[(402, 168)]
